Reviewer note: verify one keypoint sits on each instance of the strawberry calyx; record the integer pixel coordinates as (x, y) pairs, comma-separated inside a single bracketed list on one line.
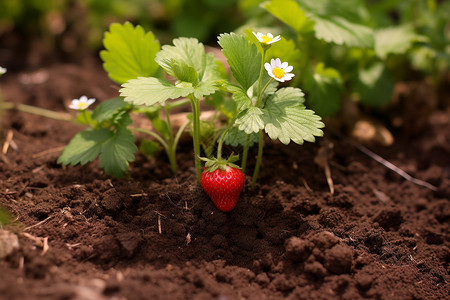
[(212, 164)]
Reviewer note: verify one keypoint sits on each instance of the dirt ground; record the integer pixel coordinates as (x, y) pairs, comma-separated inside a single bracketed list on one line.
[(84, 235)]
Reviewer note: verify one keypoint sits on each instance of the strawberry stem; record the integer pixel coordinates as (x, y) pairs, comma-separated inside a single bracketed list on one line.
[(258, 159), (245, 154), (222, 138), (261, 71), (196, 134)]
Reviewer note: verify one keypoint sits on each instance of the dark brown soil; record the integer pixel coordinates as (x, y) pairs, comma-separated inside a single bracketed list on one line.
[(378, 237)]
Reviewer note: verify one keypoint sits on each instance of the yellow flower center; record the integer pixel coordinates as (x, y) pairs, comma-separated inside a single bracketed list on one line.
[(81, 105), (266, 39), (278, 72)]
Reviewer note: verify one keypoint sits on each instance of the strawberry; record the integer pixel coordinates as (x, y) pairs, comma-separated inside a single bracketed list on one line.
[(223, 182)]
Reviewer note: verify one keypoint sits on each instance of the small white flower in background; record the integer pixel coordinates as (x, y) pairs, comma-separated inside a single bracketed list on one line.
[(82, 103), (279, 71), (266, 39), (2, 70)]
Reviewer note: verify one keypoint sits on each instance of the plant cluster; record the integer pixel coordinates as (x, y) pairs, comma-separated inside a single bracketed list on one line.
[(133, 58), (355, 50)]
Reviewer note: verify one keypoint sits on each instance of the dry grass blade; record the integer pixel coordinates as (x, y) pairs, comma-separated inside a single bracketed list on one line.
[(38, 241), (49, 151), (8, 140), (324, 154), (387, 164)]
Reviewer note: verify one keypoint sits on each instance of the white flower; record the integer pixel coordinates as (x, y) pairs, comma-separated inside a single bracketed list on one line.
[(266, 39), (2, 70), (82, 103), (279, 71)]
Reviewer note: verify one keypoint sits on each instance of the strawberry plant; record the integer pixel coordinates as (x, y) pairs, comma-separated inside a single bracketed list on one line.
[(130, 53), (260, 105)]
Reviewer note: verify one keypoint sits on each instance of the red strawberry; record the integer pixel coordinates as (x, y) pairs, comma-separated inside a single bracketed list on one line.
[(223, 184)]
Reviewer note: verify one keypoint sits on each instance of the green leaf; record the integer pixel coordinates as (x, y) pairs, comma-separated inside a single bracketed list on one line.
[(161, 126), (212, 68), (121, 119), (84, 147), (117, 151), (375, 85), (242, 100), (339, 22), (149, 148), (324, 90), (396, 40), (106, 110), (243, 58), (184, 72), (150, 90), (286, 118), (130, 52), (236, 137), (289, 12), (186, 52), (249, 120), (204, 88), (340, 31)]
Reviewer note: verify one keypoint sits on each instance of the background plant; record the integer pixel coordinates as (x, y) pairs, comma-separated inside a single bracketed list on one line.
[(130, 53), (354, 50)]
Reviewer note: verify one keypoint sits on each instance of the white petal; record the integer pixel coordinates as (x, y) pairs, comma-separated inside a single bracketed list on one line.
[(272, 63), (255, 34), (270, 35), (277, 38), (288, 69), (268, 67), (278, 79), (288, 77), (284, 65), (278, 63), (83, 99)]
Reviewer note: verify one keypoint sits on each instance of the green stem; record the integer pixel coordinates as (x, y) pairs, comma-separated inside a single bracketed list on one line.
[(222, 138), (37, 111), (154, 135), (261, 72), (173, 148), (258, 159), (171, 105), (258, 102), (196, 135), (245, 154), (179, 133)]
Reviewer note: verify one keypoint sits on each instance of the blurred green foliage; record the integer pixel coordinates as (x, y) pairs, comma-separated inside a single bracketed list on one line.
[(356, 49), (202, 19), (5, 217), (339, 49)]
